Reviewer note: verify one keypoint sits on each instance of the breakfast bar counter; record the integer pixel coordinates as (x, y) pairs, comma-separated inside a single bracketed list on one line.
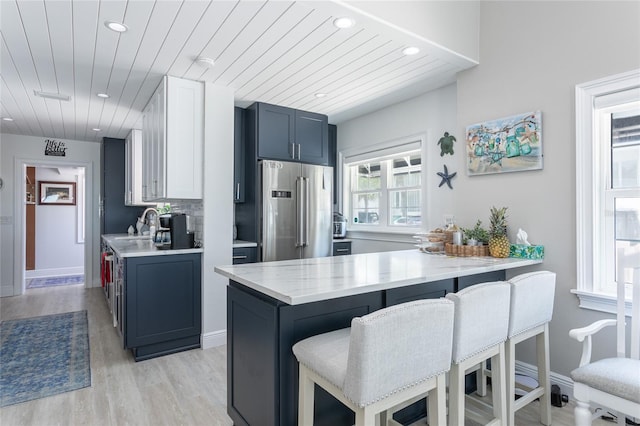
[(273, 305), (299, 281)]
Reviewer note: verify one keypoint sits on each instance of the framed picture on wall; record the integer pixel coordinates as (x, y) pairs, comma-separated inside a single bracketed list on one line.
[(509, 144), (57, 193)]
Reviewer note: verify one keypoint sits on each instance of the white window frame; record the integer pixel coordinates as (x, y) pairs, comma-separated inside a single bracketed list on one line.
[(590, 179), (385, 150)]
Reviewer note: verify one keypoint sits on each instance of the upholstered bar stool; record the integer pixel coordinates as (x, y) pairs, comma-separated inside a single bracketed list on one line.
[(531, 310), (480, 330), (385, 358)]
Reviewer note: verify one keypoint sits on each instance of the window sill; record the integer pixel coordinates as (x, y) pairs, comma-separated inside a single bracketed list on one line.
[(378, 235), (600, 302)]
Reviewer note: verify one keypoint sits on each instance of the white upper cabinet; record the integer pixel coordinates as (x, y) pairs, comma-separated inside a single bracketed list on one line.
[(133, 169), (172, 141)]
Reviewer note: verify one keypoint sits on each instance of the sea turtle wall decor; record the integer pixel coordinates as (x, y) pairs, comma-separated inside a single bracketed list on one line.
[(446, 144)]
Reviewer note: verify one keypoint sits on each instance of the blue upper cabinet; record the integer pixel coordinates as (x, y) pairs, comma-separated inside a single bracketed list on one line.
[(312, 137), (239, 155), (291, 135)]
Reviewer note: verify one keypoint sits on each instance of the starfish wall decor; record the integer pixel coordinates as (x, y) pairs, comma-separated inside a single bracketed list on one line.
[(446, 177)]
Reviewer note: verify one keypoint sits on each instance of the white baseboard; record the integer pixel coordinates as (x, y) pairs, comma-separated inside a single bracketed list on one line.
[(214, 339), (54, 272), (565, 383), (6, 290)]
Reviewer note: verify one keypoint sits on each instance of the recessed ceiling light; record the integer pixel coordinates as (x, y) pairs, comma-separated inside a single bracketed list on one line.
[(95, 129), (408, 51), (343, 22), (205, 62), (102, 95), (56, 96), (7, 118), (116, 26), (320, 95)]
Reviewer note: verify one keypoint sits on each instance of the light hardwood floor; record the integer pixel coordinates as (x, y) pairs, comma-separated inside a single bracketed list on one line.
[(188, 388)]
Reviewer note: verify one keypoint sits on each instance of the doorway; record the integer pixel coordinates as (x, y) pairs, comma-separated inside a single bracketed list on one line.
[(60, 227), (54, 226)]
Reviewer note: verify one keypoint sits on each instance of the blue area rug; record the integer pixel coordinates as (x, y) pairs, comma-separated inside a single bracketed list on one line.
[(43, 356), (56, 281)]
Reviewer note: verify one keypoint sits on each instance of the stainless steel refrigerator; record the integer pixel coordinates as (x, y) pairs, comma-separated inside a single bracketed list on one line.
[(296, 210)]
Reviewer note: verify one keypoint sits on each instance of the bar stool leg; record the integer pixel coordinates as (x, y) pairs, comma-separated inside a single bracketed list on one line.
[(365, 417), (481, 379), (305, 398), (510, 354), (456, 395), (437, 406), (542, 349), (498, 386)]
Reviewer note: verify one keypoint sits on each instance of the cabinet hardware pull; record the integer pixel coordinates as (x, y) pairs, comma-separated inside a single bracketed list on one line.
[(238, 191), (238, 257), (298, 151), (341, 250), (293, 150)]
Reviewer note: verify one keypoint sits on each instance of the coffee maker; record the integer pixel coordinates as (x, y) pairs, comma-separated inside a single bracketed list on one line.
[(178, 231)]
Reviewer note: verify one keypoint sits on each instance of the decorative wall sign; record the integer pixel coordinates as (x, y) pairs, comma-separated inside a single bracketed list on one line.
[(510, 144), (55, 148), (446, 177), (446, 144), (57, 193)]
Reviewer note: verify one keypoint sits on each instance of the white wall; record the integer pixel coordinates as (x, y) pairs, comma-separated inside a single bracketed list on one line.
[(532, 54), (16, 150), (430, 114), (57, 244), (218, 211)]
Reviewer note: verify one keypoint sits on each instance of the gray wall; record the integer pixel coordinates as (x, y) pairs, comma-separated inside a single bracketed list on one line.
[(429, 114), (532, 54), (15, 151)]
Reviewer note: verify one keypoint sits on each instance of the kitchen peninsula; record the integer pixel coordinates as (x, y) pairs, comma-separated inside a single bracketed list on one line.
[(272, 305)]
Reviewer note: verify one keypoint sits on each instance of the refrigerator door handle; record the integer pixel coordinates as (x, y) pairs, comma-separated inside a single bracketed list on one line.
[(299, 212), (306, 212)]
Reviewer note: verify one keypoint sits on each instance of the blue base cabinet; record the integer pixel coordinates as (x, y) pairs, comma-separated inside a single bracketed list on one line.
[(161, 304), (262, 372)]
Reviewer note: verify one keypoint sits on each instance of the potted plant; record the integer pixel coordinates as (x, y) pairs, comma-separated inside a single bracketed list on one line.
[(476, 235)]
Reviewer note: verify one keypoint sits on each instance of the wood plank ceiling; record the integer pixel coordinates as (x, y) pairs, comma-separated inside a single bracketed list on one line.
[(279, 52)]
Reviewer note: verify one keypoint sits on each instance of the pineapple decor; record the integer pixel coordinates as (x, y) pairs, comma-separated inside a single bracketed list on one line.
[(498, 242)]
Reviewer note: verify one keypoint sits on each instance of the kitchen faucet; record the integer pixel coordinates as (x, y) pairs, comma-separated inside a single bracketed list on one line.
[(152, 226)]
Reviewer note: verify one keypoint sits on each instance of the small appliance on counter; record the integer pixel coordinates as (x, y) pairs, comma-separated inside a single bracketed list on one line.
[(173, 233), (339, 225)]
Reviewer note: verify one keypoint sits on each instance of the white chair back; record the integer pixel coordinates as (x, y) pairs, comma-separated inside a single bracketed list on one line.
[(397, 347), (481, 318), (532, 297)]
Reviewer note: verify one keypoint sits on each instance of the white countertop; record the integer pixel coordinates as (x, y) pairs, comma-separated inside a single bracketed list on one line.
[(310, 280), (125, 246), (242, 243)]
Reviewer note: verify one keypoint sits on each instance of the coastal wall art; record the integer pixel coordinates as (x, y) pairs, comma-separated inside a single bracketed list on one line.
[(509, 144)]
